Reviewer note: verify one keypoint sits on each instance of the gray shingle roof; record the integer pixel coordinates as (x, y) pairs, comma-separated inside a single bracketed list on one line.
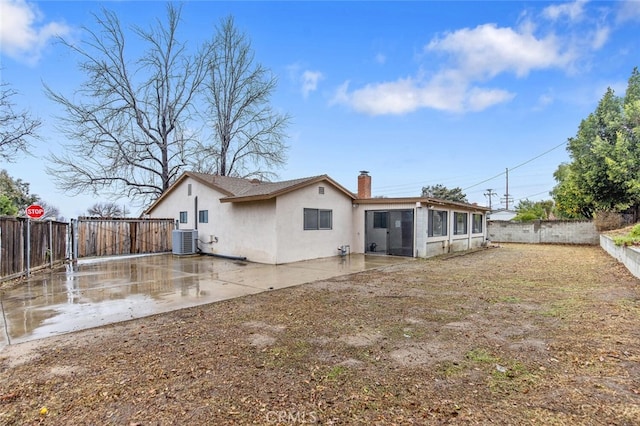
[(239, 188), (231, 185)]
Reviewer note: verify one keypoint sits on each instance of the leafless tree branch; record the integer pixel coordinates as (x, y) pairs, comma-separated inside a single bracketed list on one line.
[(126, 122), (16, 127), (248, 135)]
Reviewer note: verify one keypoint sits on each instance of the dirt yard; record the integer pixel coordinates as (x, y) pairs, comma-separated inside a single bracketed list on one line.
[(518, 334)]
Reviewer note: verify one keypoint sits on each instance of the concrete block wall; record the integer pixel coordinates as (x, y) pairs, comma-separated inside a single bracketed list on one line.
[(629, 256), (544, 232)]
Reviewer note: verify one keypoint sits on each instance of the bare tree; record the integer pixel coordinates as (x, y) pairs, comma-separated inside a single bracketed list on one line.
[(16, 127), (50, 211), (248, 135), (107, 209), (127, 122)]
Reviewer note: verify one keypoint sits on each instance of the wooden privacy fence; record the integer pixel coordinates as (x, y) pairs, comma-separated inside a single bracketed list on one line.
[(115, 236), (31, 244), (27, 245)]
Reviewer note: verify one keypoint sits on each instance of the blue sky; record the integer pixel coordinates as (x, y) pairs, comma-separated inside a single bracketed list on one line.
[(417, 93)]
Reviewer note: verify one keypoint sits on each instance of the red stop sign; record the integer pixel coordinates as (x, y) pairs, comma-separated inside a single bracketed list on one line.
[(35, 211)]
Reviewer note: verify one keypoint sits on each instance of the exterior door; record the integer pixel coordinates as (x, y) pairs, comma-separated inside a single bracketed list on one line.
[(389, 232), (400, 232)]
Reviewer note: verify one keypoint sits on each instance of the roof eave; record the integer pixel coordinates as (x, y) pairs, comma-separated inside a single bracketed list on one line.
[(274, 194), (209, 184), (164, 194), (421, 200)]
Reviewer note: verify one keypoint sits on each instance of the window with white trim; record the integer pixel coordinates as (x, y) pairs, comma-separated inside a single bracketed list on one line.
[(476, 221), (437, 223), (203, 216), (459, 223), (183, 217)]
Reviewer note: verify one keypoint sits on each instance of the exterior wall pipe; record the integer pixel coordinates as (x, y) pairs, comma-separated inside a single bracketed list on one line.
[(222, 256), (195, 207)]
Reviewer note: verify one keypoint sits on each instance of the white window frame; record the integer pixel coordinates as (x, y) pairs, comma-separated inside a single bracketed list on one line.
[(464, 223), (183, 217), (474, 229), (203, 216), (443, 217)]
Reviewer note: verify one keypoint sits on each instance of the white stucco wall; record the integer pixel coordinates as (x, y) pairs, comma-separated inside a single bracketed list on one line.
[(294, 243), (272, 231), (244, 230)]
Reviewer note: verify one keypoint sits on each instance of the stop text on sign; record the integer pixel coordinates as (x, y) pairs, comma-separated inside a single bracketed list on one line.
[(35, 211)]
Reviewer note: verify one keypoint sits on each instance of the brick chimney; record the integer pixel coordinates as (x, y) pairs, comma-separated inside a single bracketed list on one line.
[(364, 185)]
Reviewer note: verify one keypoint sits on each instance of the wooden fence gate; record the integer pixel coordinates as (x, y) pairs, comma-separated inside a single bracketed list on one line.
[(27, 245), (115, 236)]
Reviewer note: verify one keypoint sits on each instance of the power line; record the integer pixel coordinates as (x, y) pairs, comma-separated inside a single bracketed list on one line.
[(409, 188), (535, 158), (519, 165), (486, 180), (533, 195)]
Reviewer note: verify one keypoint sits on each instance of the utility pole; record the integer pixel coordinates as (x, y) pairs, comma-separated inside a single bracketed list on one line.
[(490, 194), (507, 196)]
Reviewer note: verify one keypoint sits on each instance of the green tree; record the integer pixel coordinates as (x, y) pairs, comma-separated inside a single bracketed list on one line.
[(15, 198), (16, 191), (570, 202), (604, 172), (6, 206), (529, 210), (444, 193)]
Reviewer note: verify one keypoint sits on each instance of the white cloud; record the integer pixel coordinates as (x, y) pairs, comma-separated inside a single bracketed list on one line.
[(486, 51), (629, 10), (544, 101), (480, 99), (475, 56), (306, 80), (600, 37), (472, 59), (21, 36), (408, 95), (573, 11), (310, 81)]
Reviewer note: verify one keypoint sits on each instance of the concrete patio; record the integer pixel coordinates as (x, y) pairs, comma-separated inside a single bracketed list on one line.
[(97, 292)]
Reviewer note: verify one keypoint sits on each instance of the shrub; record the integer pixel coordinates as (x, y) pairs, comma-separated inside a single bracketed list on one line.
[(630, 239), (607, 221)]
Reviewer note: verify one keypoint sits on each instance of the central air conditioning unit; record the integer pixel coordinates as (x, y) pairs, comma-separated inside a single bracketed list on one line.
[(185, 241)]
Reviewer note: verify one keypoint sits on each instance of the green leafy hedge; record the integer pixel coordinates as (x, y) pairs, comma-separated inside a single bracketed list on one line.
[(631, 239)]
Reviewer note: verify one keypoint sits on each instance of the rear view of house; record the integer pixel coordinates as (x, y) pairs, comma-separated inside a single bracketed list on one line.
[(314, 217)]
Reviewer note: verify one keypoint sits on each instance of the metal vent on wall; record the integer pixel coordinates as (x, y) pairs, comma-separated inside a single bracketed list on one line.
[(185, 241)]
